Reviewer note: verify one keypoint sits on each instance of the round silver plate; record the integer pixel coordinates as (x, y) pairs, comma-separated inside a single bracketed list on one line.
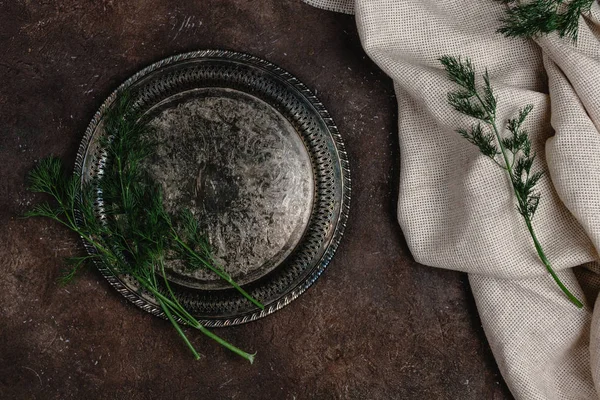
[(256, 157)]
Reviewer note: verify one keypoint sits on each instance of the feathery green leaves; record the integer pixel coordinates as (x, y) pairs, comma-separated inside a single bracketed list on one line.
[(514, 154), (541, 17), (485, 141), (467, 100), (138, 233)]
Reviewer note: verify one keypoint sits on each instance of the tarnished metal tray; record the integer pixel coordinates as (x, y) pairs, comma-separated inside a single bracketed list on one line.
[(253, 153)]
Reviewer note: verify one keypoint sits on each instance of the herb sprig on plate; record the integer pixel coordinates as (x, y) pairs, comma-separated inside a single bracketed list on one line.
[(512, 152), (137, 236)]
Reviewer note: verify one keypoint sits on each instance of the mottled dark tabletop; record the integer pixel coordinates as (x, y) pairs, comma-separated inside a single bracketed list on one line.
[(376, 325)]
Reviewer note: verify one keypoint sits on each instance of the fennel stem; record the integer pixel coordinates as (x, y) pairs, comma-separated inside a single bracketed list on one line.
[(516, 152), (138, 232), (538, 247)]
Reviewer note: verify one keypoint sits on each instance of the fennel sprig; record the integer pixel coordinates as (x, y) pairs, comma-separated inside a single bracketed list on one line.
[(540, 17), (512, 153), (138, 234)]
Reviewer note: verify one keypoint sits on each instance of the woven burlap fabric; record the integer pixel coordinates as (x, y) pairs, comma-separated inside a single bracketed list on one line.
[(456, 207), (343, 6)]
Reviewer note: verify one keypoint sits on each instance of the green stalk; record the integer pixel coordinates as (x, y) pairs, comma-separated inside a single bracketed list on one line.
[(163, 301), (147, 253), (238, 351), (175, 304), (222, 274), (182, 313), (193, 322), (491, 120), (544, 259), (178, 329)]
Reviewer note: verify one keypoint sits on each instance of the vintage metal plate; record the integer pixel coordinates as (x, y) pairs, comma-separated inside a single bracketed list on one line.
[(253, 153)]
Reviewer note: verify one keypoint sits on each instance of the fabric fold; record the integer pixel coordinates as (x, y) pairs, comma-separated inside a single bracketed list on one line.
[(457, 209), (343, 6), (540, 343)]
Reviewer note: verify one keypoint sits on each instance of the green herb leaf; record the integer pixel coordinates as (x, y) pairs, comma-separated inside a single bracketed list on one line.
[(514, 156), (138, 232), (541, 17)]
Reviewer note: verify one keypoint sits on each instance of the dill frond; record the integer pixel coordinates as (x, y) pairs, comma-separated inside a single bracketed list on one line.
[(541, 17), (137, 232), (512, 154)]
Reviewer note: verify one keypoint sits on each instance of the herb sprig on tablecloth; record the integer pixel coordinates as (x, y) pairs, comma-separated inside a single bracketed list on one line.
[(540, 17), (138, 235), (512, 153)]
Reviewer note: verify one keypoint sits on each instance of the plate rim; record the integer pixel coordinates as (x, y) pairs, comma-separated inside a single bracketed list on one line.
[(311, 99)]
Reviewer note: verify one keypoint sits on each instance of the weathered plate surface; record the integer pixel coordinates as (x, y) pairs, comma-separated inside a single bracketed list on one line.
[(252, 152)]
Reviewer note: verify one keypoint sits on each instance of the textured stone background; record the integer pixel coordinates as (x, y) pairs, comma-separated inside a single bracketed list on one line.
[(376, 326)]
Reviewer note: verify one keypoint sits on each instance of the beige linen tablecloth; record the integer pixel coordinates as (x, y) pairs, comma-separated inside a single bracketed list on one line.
[(456, 207)]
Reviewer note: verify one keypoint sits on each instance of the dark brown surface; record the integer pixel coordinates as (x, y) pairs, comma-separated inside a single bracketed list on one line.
[(376, 326)]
